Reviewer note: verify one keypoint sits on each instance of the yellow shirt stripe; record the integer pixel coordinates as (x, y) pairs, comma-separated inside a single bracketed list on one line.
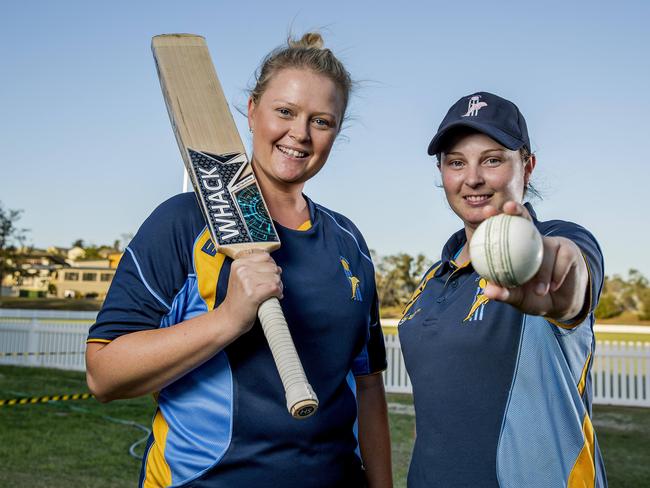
[(306, 225), (207, 270), (157, 471), (583, 474), (583, 376), (419, 290)]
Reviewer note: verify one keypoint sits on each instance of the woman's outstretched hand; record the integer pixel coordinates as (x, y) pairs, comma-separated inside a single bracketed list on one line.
[(559, 289)]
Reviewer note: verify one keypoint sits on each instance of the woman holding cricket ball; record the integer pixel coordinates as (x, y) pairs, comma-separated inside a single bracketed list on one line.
[(500, 375), (180, 319)]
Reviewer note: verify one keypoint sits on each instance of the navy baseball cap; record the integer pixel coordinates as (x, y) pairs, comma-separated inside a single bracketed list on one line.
[(490, 114)]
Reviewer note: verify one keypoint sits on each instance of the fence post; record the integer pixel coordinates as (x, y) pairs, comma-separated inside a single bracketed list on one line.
[(646, 373), (32, 341)]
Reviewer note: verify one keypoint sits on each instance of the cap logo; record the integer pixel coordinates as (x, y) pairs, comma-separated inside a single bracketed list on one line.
[(474, 106)]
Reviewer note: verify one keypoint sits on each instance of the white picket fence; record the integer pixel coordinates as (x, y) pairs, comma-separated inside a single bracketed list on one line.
[(620, 373), (58, 337), (396, 379)]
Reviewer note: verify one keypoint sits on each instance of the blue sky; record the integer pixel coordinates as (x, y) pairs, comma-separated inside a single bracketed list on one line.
[(86, 149)]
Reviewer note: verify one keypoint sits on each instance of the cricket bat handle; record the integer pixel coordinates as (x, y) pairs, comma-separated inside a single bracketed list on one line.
[(301, 399)]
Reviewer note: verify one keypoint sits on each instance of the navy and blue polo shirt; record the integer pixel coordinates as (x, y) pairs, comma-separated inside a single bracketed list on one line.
[(225, 423), (502, 398)]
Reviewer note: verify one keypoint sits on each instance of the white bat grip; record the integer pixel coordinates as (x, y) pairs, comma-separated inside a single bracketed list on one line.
[(301, 399)]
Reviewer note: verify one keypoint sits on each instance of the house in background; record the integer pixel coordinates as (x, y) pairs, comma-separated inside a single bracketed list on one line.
[(88, 279), (62, 273), (36, 268)]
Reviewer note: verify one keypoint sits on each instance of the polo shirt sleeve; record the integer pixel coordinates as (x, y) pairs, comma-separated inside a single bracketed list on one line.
[(372, 358), (593, 257), (152, 270)]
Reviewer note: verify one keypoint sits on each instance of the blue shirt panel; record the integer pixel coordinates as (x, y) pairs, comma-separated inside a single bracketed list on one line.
[(153, 270), (542, 427)]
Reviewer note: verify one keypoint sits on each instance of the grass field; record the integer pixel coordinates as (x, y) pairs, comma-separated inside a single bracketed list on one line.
[(77, 444), (600, 336), (627, 318), (80, 304), (84, 304), (623, 336), (66, 443), (93, 305)]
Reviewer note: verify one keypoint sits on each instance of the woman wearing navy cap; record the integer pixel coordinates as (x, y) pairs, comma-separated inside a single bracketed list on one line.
[(500, 376)]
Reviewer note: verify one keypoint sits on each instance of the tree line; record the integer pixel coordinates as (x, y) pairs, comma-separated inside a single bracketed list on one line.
[(11, 237), (14, 250), (397, 275), (625, 295)]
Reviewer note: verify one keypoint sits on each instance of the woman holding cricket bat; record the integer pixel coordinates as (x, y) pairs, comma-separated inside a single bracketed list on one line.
[(500, 376), (180, 319)]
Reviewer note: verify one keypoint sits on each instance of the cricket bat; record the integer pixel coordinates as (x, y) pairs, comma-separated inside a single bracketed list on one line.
[(225, 185)]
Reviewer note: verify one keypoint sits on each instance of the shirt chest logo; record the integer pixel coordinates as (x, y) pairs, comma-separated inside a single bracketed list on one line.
[(209, 248), (353, 280), (479, 303)]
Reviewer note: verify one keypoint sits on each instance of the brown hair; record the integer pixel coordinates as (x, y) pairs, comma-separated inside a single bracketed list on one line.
[(306, 53), (529, 189)]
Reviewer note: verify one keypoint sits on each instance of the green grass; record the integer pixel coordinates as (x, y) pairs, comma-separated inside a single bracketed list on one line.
[(600, 336), (623, 434), (72, 443), (66, 444), (81, 304), (624, 438), (622, 336), (627, 318), (402, 435)]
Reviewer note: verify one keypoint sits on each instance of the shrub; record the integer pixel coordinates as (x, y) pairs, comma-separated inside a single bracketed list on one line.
[(608, 307), (644, 298)]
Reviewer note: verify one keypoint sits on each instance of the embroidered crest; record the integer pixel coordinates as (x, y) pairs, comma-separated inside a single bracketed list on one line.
[(474, 106), (354, 281), (480, 300)]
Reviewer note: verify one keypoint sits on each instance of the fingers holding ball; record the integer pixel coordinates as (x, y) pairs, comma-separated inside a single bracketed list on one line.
[(506, 250)]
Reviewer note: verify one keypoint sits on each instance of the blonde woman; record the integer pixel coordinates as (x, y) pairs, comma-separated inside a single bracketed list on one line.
[(180, 319)]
